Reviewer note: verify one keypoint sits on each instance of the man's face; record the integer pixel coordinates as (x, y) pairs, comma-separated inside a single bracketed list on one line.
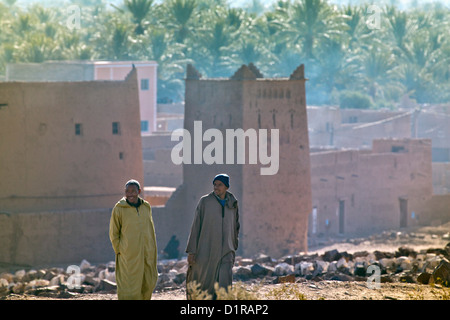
[(131, 193), (220, 189)]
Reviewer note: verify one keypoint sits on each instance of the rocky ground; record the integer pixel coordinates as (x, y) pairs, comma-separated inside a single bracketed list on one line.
[(413, 264)]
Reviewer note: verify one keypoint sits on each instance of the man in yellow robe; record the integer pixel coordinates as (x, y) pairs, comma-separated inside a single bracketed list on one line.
[(133, 239)]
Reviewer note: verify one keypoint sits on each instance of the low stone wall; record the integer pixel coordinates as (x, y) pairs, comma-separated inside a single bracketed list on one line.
[(60, 237), (64, 237)]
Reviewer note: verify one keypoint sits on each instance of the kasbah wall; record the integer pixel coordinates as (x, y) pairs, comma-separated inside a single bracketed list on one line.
[(55, 182)]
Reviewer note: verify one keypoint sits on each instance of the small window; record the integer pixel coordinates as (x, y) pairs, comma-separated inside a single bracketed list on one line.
[(397, 149), (78, 129), (121, 155), (145, 84), (116, 128), (144, 125), (329, 127), (353, 119)]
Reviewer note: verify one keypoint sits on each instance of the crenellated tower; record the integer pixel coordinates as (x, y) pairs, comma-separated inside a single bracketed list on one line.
[(274, 208)]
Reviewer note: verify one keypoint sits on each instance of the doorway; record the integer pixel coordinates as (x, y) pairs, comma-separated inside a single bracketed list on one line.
[(341, 216), (403, 212), (314, 220)]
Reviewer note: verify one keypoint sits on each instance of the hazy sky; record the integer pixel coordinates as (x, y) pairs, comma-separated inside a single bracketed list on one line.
[(241, 3), (399, 3)]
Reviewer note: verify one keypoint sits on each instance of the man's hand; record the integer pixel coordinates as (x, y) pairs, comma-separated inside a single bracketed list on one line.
[(191, 259)]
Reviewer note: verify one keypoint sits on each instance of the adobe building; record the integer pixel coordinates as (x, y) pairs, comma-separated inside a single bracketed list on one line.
[(433, 122), (96, 70), (159, 170), (66, 151), (333, 128), (274, 208), (355, 128), (68, 144), (170, 116), (366, 191)]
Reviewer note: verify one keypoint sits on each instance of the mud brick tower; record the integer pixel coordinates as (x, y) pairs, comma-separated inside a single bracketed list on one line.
[(274, 208)]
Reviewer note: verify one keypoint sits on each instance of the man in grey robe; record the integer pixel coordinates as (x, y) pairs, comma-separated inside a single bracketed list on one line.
[(213, 240)]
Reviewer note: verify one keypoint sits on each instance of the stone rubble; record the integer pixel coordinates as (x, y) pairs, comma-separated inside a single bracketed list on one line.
[(429, 266)]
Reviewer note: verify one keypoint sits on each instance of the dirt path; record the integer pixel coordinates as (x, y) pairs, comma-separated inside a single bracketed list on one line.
[(308, 290)]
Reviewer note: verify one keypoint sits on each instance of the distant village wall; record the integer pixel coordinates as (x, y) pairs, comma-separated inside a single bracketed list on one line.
[(52, 71), (366, 191), (354, 128)]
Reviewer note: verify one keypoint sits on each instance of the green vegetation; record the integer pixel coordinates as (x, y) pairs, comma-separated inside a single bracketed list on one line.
[(354, 100), (406, 53)]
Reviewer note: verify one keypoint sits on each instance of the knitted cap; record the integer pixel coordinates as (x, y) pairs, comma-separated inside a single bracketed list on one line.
[(224, 178)]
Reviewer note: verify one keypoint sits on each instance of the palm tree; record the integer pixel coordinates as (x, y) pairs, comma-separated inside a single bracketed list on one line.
[(181, 12), (419, 68), (410, 54), (400, 28), (139, 9), (356, 30), (279, 54), (23, 24), (37, 48), (255, 7), (379, 72), (171, 65), (252, 51), (158, 44), (6, 38), (310, 22), (215, 43), (118, 42)]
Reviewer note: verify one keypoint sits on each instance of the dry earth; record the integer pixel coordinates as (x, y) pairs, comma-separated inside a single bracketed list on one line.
[(327, 290)]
